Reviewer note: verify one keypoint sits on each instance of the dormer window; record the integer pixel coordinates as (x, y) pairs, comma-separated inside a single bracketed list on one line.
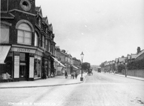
[(25, 5)]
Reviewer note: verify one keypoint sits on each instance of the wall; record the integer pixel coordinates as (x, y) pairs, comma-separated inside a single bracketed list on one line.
[(135, 73)]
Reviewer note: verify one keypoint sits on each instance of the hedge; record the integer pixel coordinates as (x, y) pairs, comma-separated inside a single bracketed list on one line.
[(139, 64)]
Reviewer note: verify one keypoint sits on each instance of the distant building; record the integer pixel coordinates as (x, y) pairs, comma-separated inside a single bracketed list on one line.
[(140, 55)]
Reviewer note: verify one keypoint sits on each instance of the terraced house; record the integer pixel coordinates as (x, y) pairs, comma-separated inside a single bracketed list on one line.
[(26, 41)]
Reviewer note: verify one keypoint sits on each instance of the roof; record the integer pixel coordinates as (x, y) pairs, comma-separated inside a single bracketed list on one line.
[(122, 59), (140, 53), (133, 56), (45, 20), (37, 8)]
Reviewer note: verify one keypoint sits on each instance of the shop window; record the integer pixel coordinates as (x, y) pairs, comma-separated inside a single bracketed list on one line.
[(24, 34), (4, 33), (22, 57)]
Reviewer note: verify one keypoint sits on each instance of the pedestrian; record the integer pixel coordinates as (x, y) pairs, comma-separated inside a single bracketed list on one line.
[(76, 75), (66, 75), (72, 75)]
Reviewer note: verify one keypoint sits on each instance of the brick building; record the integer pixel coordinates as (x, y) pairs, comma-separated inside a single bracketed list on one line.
[(26, 41)]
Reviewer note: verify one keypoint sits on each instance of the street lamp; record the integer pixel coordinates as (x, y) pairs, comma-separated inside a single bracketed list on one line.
[(82, 56), (126, 69)]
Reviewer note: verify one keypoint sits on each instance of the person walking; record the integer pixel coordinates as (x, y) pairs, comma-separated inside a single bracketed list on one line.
[(72, 75), (76, 75), (66, 74)]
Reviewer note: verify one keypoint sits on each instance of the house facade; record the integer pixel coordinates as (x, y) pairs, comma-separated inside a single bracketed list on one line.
[(26, 40)]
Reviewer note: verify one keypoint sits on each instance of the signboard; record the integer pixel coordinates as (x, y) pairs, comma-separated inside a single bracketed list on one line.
[(16, 66), (31, 67), (25, 50), (39, 53)]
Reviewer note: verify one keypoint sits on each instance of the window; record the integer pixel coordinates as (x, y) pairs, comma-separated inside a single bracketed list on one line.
[(24, 34), (49, 47), (39, 23), (36, 40), (43, 42), (25, 5), (4, 33), (46, 30), (46, 44)]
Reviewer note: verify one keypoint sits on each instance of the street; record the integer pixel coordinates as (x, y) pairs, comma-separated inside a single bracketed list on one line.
[(100, 89)]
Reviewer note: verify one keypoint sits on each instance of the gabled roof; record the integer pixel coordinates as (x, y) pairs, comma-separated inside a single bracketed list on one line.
[(122, 59), (39, 10), (51, 27), (45, 20), (133, 56), (142, 52)]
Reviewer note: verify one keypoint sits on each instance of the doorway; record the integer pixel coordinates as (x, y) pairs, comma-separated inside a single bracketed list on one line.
[(24, 66)]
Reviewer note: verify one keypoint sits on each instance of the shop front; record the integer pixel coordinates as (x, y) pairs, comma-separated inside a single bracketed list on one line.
[(46, 65), (58, 66), (23, 63), (5, 61), (38, 64)]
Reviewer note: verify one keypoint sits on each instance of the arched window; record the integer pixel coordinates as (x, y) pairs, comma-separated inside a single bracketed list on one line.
[(24, 34)]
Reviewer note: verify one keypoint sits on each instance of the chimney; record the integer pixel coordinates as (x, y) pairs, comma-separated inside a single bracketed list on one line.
[(138, 50)]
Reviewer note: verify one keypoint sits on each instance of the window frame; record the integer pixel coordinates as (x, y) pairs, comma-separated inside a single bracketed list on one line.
[(24, 35), (8, 34)]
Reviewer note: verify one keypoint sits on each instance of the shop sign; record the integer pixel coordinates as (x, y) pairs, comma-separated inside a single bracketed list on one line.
[(39, 53), (25, 50)]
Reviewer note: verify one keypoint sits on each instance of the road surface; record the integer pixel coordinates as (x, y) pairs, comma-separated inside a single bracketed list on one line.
[(100, 89)]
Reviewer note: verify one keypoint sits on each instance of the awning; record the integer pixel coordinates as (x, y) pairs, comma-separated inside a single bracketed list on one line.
[(74, 67), (56, 60), (3, 53)]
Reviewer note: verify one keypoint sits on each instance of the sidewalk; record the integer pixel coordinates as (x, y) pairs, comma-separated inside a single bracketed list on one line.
[(56, 81), (132, 77)]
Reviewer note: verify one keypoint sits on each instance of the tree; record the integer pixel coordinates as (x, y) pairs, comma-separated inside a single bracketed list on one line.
[(120, 68), (86, 66)]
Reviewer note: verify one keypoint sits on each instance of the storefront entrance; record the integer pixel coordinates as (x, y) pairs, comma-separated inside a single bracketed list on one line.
[(24, 63), (22, 71)]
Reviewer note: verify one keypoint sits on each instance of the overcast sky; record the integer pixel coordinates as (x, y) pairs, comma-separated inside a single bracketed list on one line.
[(102, 29)]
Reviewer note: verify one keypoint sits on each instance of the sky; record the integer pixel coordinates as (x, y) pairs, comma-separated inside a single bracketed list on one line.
[(102, 29)]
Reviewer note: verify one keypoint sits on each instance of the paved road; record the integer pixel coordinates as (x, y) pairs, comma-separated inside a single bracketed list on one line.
[(101, 89), (107, 90)]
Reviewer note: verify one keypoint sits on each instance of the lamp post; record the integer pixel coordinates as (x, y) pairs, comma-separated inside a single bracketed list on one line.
[(126, 69), (82, 56)]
